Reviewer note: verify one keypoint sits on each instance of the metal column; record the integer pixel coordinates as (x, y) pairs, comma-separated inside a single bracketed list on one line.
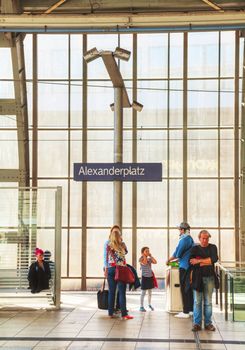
[(118, 154), (185, 129), (17, 106), (242, 183), (236, 148), (58, 225)]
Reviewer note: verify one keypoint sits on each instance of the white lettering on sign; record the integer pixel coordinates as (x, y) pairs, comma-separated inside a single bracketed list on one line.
[(132, 171)]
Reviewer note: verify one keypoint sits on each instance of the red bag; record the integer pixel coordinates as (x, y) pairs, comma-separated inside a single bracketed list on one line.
[(124, 274), (155, 281)]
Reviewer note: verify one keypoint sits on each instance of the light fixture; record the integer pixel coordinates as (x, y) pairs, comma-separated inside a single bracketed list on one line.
[(122, 54), (137, 106), (91, 55)]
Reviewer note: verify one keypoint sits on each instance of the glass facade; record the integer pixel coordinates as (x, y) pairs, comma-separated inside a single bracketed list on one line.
[(186, 82)]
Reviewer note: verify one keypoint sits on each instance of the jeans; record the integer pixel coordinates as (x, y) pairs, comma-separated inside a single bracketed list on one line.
[(206, 296), (186, 292), (113, 285)]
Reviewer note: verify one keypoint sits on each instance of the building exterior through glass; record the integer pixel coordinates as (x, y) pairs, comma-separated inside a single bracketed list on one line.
[(189, 85)]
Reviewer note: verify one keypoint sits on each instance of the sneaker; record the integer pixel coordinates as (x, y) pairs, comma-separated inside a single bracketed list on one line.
[(210, 327), (151, 307), (127, 317), (182, 315), (191, 313), (196, 328), (142, 309)]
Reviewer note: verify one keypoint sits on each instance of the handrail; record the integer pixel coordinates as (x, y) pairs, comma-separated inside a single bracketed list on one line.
[(224, 269), (228, 277)]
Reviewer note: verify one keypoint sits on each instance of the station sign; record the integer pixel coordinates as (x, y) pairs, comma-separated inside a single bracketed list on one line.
[(117, 172)]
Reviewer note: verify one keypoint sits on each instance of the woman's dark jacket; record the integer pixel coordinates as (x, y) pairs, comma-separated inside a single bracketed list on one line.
[(136, 283), (39, 277)]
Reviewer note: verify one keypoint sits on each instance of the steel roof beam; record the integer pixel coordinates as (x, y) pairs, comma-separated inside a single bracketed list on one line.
[(55, 6), (119, 22), (213, 5)]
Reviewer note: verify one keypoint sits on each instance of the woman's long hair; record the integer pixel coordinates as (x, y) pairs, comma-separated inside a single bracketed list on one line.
[(115, 239)]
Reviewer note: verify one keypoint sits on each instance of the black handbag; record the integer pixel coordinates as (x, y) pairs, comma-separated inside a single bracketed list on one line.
[(102, 297)]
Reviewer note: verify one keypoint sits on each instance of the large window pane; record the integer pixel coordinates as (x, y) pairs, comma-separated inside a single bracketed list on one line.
[(100, 146), (8, 207), (127, 204), (227, 100), (6, 70), (53, 153), (76, 56), (28, 55), (100, 203), (227, 251), (47, 212), (75, 203), (153, 95), (75, 253), (76, 105), (202, 153), (9, 158), (175, 202), (64, 254), (95, 249), (52, 56), (227, 203), (203, 203), (53, 104), (152, 147), (176, 104), (203, 52), (176, 55), (202, 103), (175, 153), (151, 204), (227, 54), (153, 53), (7, 89), (100, 96), (76, 147), (127, 146), (226, 152)]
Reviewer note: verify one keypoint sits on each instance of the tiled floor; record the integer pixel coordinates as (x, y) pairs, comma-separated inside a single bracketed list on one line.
[(80, 325)]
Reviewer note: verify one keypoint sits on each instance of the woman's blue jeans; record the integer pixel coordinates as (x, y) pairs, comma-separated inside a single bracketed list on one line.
[(206, 298), (113, 285)]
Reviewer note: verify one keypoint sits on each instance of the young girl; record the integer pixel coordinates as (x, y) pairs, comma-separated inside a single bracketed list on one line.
[(147, 281)]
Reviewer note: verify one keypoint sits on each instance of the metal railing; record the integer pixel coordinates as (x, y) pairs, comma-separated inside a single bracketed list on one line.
[(231, 294), (29, 217)]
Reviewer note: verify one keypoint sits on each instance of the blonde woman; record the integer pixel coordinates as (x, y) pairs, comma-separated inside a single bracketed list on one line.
[(114, 254)]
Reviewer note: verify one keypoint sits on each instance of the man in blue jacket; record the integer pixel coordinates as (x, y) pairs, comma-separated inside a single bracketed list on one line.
[(182, 254)]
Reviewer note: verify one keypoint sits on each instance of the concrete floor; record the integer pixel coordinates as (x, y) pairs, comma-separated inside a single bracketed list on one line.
[(80, 325)]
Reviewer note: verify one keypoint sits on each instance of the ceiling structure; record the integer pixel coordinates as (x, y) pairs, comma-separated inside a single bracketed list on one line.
[(129, 6), (123, 15)]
